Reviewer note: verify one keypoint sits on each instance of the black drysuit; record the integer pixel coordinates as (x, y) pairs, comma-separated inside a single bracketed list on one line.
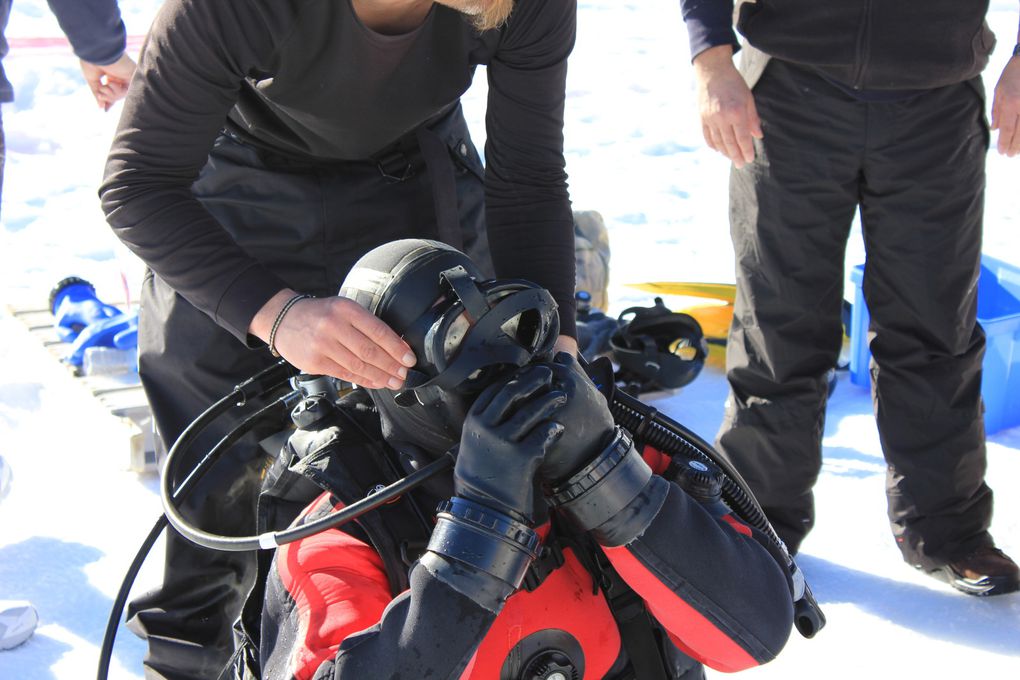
[(270, 143), (344, 604), (876, 106)]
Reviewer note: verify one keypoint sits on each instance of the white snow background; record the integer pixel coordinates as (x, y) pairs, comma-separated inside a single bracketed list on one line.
[(76, 514)]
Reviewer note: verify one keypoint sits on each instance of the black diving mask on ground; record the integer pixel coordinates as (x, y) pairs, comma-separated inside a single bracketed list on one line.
[(464, 332)]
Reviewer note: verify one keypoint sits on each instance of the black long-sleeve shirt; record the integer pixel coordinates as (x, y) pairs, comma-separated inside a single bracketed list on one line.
[(307, 78), (93, 27)]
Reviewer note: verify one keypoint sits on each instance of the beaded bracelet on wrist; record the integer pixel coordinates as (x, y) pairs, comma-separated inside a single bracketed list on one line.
[(279, 318)]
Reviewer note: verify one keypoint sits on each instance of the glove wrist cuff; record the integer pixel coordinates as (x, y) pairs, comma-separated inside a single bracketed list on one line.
[(485, 539), (594, 472), (605, 486)]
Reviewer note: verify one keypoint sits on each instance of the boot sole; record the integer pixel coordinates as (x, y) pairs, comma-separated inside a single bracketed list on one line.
[(985, 587)]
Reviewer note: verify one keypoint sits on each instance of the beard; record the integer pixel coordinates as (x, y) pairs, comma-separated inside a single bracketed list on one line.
[(485, 14)]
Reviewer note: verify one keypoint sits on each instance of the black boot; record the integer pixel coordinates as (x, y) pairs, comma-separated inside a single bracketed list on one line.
[(986, 571)]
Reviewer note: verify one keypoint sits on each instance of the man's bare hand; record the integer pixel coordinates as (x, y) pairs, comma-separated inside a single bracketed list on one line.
[(1006, 109), (338, 337), (729, 119), (109, 83)]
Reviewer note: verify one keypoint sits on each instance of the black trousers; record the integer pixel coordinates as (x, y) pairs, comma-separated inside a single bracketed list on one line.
[(308, 222), (915, 170)]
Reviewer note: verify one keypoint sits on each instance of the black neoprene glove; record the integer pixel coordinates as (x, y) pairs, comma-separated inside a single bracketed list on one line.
[(506, 435), (588, 426)]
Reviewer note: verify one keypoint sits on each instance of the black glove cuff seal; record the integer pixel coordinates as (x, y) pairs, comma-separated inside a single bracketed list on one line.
[(594, 472), (605, 486), (485, 539)]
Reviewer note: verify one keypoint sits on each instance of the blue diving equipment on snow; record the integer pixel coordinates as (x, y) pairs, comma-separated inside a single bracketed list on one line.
[(82, 319)]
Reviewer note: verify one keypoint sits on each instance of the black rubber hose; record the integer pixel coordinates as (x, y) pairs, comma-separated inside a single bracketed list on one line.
[(277, 538), (261, 383), (663, 433), (113, 623), (667, 435)]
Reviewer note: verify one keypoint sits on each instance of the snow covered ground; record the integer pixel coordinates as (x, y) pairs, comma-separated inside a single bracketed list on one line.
[(76, 515)]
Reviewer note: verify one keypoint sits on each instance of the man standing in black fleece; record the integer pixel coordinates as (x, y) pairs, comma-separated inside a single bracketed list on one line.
[(876, 106), (264, 146), (97, 35)]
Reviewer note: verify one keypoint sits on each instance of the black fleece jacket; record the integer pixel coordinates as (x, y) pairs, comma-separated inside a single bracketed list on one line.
[(864, 44)]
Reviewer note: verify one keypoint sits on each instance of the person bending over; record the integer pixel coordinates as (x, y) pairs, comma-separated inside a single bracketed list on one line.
[(266, 145)]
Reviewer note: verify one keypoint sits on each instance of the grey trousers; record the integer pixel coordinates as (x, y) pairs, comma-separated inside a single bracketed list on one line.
[(914, 168)]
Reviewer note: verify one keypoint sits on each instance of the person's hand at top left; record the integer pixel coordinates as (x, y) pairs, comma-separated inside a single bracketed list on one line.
[(109, 82)]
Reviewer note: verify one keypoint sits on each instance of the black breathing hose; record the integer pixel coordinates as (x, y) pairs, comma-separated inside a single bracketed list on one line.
[(646, 423), (259, 384), (274, 539)]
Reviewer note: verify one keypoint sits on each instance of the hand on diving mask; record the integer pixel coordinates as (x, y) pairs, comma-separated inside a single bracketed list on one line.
[(506, 435)]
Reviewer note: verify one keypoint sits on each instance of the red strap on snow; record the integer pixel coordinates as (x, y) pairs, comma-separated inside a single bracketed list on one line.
[(688, 628)]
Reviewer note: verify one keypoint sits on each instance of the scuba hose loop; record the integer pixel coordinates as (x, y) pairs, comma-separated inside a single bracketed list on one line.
[(277, 538), (274, 539), (275, 410), (259, 384)]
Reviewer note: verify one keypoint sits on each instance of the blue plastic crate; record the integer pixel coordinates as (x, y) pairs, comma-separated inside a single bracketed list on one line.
[(998, 313)]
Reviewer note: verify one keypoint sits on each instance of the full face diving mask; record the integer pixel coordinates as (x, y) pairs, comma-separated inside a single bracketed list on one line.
[(474, 331), (462, 331)]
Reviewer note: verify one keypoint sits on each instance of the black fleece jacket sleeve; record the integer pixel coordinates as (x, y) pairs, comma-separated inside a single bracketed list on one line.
[(709, 23), (93, 27), (188, 78)]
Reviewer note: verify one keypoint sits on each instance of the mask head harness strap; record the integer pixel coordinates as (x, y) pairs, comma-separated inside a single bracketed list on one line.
[(477, 326)]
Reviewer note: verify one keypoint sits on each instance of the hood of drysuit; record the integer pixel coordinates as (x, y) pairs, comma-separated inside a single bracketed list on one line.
[(464, 332)]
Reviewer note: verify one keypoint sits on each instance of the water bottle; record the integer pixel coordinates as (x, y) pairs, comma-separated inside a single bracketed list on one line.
[(109, 360)]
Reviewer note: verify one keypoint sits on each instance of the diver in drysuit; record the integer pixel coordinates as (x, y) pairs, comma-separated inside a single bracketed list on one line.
[(554, 549)]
